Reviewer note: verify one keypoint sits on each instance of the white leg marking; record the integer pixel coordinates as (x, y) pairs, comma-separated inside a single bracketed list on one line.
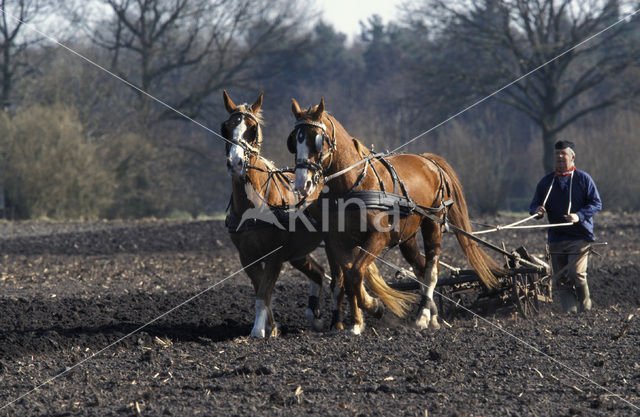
[(358, 328), (261, 320), (432, 270), (430, 278), (422, 322)]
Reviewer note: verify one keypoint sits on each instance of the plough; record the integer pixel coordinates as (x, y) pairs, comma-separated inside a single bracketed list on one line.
[(526, 284)]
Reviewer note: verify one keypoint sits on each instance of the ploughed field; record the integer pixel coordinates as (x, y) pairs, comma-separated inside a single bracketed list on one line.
[(71, 294)]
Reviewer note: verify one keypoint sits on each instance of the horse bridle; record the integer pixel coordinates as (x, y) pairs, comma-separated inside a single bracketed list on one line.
[(316, 167), (246, 146)]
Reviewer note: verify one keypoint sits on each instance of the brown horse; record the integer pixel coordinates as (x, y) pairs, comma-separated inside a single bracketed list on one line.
[(260, 193), (423, 188)]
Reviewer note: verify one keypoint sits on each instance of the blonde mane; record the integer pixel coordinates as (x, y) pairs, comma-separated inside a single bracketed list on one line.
[(246, 108)]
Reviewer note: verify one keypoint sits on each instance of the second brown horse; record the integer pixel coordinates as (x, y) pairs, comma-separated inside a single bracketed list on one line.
[(356, 237)]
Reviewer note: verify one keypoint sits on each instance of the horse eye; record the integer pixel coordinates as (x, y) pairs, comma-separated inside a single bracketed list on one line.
[(238, 119)]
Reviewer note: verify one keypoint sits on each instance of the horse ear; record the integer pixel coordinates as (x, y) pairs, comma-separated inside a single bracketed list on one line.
[(317, 115), (228, 103), (295, 108), (255, 107)]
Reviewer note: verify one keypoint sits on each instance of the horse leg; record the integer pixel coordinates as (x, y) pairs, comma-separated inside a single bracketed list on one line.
[(256, 274), (337, 291), (358, 296), (263, 283), (315, 273), (428, 313), (272, 272)]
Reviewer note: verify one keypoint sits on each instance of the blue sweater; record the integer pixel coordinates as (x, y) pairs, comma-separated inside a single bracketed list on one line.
[(585, 202)]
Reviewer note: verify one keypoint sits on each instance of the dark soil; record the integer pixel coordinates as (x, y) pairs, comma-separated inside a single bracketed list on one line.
[(73, 297)]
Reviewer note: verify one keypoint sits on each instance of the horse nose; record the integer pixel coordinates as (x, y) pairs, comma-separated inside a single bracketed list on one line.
[(234, 165)]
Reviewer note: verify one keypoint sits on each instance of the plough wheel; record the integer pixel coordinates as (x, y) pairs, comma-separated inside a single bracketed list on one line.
[(524, 294)]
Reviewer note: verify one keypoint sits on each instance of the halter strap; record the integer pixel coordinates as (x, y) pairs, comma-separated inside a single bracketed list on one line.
[(249, 115), (312, 123), (317, 168)]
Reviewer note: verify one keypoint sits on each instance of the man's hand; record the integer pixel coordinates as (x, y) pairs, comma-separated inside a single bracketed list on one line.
[(572, 217), (540, 213)]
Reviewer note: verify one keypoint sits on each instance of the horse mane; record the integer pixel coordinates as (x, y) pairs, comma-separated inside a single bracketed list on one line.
[(269, 164), (362, 150), (246, 108)]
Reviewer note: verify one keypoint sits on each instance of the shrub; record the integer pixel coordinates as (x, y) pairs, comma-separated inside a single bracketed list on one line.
[(50, 167)]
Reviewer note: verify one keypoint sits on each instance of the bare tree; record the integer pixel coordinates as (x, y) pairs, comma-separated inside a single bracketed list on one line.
[(183, 51), (518, 36), (14, 41)]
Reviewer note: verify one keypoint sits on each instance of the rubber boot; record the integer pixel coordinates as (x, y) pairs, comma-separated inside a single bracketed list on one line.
[(567, 300), (584, 299)]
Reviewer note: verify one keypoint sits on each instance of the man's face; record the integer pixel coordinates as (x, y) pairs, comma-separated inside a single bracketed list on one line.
[(564, 159)]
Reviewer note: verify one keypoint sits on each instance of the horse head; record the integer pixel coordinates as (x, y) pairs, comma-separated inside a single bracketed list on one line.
[(312, 144), (242, 132)]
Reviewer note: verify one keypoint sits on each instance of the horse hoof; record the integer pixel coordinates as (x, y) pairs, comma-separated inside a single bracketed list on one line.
[(337, 326), (275, 332), (258, 334), (421, 324), (357, 329), (423, 320), (315, 322), (317, 325), (433, 324), (379, 311)]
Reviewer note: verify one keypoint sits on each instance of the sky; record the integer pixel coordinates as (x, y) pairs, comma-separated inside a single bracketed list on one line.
[(344, 15)]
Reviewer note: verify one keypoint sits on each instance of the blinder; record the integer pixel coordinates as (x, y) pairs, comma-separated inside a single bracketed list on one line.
[(224, 132), (291, 142), (319, 144)]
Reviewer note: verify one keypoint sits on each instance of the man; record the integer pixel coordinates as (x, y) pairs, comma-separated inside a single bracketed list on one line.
[(568, 195)]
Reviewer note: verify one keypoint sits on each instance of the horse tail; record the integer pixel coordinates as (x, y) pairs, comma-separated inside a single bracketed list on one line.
[(482, 263), (399, 302)]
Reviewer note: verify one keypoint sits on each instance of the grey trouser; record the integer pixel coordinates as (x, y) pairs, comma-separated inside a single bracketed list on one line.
[(565, 252)]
